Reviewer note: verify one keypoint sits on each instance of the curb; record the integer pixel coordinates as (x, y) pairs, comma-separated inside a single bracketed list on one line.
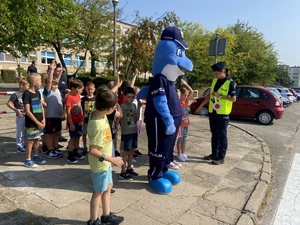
[(251, 209)]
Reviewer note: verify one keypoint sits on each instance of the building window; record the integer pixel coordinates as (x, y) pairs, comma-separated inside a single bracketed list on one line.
[(103, 64), (78, 60), (47, 57), (30, 58), (67, 59), (6, 57)]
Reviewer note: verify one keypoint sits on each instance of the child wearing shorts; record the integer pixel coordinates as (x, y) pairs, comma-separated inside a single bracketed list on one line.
[(87, 103), (74, 119), (100, 158), (34, 120), (129, 133)]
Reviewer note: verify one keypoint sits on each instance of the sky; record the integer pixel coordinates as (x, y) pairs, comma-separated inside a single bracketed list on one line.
[(277, 20)]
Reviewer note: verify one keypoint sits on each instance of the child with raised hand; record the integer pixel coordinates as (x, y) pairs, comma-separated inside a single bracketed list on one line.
[(74, 119), (15, 103), (100, 158), (44, 104), (53, 113), (34, 119), (87, 102), (186, 94)]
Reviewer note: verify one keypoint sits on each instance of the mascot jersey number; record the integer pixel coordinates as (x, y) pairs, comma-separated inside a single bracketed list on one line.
[(163, 112)]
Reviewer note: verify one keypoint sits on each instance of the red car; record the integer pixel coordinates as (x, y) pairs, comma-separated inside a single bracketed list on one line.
[(294, 93), (252, 102)]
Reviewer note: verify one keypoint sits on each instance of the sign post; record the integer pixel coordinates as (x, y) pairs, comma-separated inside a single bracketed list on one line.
[(217, 47)]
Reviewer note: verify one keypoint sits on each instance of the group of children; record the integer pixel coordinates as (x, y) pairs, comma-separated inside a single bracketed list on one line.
[(93, 116)]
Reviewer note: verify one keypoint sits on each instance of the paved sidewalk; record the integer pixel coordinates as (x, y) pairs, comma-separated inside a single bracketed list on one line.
[(59, 193)]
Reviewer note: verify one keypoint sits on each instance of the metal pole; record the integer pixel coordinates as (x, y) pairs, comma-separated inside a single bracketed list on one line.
[(115, 3), (216, 49)]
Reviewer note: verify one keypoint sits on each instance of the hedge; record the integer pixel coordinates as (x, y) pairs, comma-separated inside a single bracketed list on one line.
[(9, 76)]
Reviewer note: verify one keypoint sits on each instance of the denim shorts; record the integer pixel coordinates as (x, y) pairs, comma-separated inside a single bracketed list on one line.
[(130, 141), (77, 132), (101, 180)]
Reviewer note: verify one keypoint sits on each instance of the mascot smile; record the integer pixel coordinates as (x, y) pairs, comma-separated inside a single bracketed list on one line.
[(163, 112)]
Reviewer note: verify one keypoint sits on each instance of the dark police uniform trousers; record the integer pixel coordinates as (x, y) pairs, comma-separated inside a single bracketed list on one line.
[(218, 127), (160, 146)]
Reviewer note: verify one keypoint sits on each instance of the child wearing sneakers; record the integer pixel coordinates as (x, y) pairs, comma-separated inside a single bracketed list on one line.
[(87, 103), (53, 113), (74, 119), (44, 104), (186, 94), (129, 133), (100, 158), (15, 103), (34, 119)]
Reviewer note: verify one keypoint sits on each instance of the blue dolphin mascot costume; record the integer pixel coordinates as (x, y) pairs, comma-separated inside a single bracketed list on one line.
[(163, 112)]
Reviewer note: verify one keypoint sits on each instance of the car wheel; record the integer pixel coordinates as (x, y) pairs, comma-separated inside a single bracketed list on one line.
[(265, 117), (204, 111)]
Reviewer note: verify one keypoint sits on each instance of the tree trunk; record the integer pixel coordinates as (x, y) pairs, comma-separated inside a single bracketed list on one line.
[(93, 66)]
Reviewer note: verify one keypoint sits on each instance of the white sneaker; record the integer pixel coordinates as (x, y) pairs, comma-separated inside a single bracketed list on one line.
[(177, 163), (30, 164), (180, 157), (173, 166), (185, 157)]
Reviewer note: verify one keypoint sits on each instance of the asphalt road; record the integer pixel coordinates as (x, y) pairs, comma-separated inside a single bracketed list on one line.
[(280, 138)]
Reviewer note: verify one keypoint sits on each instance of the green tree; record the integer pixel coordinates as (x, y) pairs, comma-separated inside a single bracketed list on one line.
[(94, 29), (255, 60), (19, 26), (57, 23), (138, 44)]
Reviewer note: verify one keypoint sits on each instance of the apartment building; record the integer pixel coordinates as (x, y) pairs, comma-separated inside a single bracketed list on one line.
[(294, 74)]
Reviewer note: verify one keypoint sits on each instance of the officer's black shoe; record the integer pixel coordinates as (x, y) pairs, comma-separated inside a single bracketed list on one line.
[(218, 162), (210, 157)]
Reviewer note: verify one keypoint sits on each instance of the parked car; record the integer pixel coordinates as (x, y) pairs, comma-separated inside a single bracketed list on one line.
[(287, 94), (295, 94), (285, 101), (252, 102)]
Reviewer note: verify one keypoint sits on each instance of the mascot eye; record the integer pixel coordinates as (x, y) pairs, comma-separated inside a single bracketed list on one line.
[(179, 52)]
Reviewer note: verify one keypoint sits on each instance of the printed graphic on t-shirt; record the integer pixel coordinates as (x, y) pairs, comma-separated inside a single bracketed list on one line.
[(107, 134), (89, 107), (131, 117), (185, 115), (36, 105), (77, 109)]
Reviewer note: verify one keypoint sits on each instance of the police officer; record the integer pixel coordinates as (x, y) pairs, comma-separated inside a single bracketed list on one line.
[(221, 96)]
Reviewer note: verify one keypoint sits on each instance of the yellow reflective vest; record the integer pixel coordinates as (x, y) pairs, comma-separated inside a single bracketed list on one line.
[(226, 105)]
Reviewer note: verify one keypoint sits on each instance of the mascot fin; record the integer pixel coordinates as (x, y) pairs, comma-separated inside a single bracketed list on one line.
[(161, 186), (172, 176)]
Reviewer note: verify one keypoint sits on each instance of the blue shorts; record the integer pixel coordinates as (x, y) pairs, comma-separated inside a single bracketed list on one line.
[(101, 180), (130, 141), (77, 132)]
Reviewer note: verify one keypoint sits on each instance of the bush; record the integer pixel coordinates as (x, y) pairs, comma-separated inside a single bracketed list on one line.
[(9, 76)]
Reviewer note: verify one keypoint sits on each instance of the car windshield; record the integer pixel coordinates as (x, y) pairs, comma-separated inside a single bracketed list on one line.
[(276, 94)]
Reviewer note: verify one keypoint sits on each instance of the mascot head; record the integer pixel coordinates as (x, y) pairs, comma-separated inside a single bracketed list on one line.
[(169, 57)]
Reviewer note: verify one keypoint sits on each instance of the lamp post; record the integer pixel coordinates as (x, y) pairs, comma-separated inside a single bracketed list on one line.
[(115, 3)]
